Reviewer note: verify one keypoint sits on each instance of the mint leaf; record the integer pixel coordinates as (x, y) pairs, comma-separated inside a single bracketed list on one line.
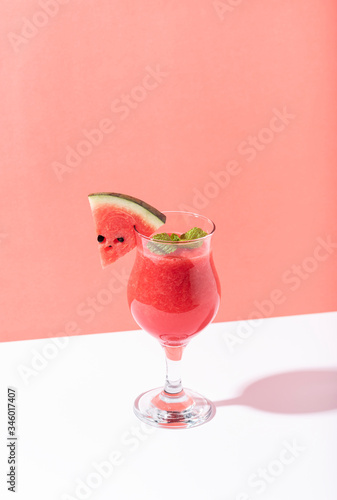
[(162, 237), (193, 234), (160, 248), (175, 237)]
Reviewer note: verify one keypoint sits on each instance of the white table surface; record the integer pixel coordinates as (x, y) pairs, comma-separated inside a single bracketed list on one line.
[(75, 411)]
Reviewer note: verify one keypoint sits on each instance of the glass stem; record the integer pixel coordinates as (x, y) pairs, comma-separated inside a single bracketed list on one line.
[(173, 356)]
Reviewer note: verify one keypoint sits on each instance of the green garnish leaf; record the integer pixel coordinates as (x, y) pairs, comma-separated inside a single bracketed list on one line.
[(160, 249), (193, 234), (162, 237), (175, 237)]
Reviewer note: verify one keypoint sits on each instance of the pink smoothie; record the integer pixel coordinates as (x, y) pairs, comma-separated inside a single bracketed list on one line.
[(174, 296)]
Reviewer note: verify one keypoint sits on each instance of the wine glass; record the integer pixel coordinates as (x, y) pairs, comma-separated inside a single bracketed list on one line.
[(173, 294)]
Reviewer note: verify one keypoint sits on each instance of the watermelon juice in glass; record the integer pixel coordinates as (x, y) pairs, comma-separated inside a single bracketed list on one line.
[(173, 291), (173, 294)]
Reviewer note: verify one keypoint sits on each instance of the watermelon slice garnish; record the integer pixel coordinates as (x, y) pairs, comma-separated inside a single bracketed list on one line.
[(116, 216)]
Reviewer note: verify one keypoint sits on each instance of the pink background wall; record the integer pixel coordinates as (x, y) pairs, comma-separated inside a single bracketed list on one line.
[(188, 97)]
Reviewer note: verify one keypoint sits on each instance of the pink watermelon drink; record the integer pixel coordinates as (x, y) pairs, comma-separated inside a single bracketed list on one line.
[(173, 292), (175, 295)]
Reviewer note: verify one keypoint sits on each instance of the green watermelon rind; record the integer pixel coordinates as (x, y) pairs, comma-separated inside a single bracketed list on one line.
[(130, 204)]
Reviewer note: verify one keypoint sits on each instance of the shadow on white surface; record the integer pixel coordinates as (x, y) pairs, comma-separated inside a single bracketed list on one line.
[(293, 392)]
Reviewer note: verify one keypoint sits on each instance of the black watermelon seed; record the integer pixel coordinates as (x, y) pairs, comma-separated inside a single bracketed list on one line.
[(100, 238), (120, 239)]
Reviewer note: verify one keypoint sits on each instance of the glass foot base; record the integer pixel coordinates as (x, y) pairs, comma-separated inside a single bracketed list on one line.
[(177, 411)]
